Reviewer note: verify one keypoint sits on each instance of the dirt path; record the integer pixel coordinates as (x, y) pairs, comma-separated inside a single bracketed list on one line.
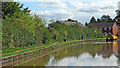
[(24, 49)]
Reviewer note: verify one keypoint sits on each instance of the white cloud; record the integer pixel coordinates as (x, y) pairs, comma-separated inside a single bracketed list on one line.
[(94, 6), (80, 11), (38, 0), (51, 5), (58, 14), (85, 60)]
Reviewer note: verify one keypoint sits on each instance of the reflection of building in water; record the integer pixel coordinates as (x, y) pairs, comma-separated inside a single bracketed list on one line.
[(115, 47), (118, 56), (109, 49), (106, 51)]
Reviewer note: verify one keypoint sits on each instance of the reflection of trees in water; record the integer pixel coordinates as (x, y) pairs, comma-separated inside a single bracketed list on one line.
[(104, 50), (109, 49), (115, 47), (118, 54), (77, 50), (41, 61)]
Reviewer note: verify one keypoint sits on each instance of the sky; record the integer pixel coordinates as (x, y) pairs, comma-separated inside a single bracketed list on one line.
[(80, 10)]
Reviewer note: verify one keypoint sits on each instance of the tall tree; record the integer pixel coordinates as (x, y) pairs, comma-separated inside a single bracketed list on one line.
[(106, 18), (86, 23), (9, 8), (93, 20), (99, 20), (114, 20)]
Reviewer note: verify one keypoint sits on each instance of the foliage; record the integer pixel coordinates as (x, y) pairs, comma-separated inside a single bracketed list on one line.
[(61, 31), (99, 20), (86, 23), (20, 29), (9, 8), (93, 20), (106, 18), (72, 20)]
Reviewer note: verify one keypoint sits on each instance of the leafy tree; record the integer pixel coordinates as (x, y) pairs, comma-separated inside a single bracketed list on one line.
[(9, 8), (114, 20), (86, 23), (99, 20), (69, 19), (19, 29), (61, 32), (93, 20), (106, 18), (72, 20)]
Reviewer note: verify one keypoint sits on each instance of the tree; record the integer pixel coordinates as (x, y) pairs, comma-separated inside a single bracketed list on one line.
[(62, 32), (9, 8), (20, 29), (117, 18), (106, 18), (72, 20), (114, 20), (69, 19), (93, 20), (99, 20), (86, 23)]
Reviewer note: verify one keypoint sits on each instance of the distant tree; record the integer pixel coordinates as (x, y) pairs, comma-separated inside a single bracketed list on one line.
[(72, 20), (69, 20), (117, 18), (93, 20), (52, 20), (76, 21), (99, 20), (86, 23), (118, 13), (114, 20), (106, 18)]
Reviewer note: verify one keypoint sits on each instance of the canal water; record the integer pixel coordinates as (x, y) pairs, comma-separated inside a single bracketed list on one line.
[(81, 54)]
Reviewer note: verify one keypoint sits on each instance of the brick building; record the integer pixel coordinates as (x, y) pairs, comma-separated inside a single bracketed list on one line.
[(109, 28)]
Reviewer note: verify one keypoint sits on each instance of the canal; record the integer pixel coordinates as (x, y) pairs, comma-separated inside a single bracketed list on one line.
[(81, 54)]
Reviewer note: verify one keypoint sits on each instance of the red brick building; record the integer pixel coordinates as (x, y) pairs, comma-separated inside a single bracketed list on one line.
[(109, 28)]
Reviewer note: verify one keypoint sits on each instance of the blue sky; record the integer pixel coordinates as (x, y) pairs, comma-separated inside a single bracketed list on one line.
[(81, 10)]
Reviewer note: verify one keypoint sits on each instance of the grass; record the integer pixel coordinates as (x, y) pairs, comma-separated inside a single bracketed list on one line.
[(19, 48), (32, 47)]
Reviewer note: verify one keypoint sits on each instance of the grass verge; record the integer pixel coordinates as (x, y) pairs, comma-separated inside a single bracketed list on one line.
[(31, 48)]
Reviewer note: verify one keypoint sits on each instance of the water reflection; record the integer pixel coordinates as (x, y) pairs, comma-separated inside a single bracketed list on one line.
[(86, 60), (115, 47), (87, 54)]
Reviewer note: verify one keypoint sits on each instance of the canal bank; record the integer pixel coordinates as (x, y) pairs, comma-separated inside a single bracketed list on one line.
[(40, 52)]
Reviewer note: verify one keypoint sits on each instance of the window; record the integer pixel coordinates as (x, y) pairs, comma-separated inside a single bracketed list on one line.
[(105, 32), (109, 28), (100, 28), (109, 33), (105, 28)]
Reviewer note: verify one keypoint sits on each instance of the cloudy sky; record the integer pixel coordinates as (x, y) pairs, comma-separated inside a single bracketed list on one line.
[(81, 10), (88, 61)]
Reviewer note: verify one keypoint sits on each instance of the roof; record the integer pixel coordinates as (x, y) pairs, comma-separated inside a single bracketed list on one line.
[(69, 22), (109, 24)]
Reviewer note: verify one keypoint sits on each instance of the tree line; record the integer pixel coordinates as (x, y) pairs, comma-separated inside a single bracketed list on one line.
[(21, 29), (103, 19)]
